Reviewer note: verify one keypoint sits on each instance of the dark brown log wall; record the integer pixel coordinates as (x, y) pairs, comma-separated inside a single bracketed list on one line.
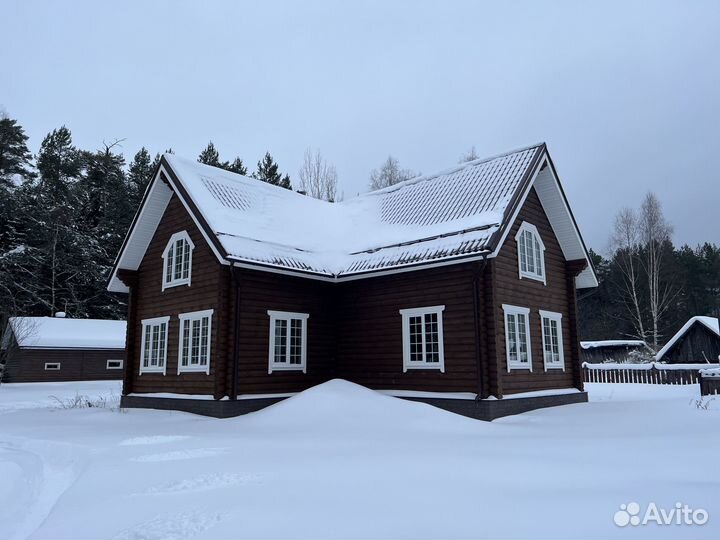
[(208, 290), (369, 339), (28, 365), (553, 296)]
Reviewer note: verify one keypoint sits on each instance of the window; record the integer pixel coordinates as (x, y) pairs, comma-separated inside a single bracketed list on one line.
[(552, 340), (52, 366), (288, 341), (194, 347), (114, 364), (423, 338), (153, 355), (177, 257), (517, 337), (531, 252)]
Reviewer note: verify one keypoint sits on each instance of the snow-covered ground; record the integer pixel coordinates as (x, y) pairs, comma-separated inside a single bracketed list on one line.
[(341, 461)]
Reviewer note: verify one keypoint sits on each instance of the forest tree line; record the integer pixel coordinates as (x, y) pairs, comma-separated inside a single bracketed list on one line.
[(64, 213)]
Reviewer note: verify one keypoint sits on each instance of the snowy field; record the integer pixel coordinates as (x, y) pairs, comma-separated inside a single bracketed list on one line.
[(340, 461)]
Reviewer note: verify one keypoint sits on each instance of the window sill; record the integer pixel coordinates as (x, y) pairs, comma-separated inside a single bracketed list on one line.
[(435, 367), (150, 371), (534, 277), (550, 367), (519, 367), (176, 284), (203, 369), (286, 368)]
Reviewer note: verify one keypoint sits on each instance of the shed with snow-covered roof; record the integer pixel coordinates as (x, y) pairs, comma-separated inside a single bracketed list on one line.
[(460, 282), (698, 341), (36, 349), (615, 351)]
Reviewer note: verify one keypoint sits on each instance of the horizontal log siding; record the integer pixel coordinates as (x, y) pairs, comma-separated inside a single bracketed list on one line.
[(370, 329), (263, 291), (207, 285), (510, 289), (28, 365)]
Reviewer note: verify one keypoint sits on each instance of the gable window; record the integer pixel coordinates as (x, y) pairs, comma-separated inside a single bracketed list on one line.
[(153, 355), (177, 260), (52, 366), (114, 364), (422, 331), (552, 340), (531, 252), (288, 341), (517, 337), (194, 347)]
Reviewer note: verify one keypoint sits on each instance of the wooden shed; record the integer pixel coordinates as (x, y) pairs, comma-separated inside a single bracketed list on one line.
[(697, 342), (44, 349), (615, 351)]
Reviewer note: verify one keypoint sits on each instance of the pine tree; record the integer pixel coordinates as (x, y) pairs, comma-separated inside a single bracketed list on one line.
[(237, 167), (210, 156), (267, 171), (14, 153), (139, 175)]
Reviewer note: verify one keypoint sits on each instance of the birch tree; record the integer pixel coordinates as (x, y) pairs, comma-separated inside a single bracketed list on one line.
[(318, 178), (389, 174), (625, 244)]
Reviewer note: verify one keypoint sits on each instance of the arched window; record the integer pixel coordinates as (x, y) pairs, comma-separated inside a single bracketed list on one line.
[(177, 257), (531, 252)]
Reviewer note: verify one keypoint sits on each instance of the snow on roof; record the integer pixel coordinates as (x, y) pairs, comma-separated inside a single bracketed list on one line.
[(712, 324), (612, 343), (452, 213), (63, 333)]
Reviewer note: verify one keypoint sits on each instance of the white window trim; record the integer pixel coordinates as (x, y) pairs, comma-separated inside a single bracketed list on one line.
[(552, 315), (414, 312), (107, 364), (177, 282), (525, 226), (515, 310), (48, 364), (191, 316), (274, 366), (145, 323)]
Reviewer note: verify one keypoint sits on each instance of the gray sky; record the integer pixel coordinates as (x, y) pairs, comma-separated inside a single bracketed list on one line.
[(626, 95)]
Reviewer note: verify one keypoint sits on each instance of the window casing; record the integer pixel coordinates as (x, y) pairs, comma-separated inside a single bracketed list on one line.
[(195, 337), (531, 252), (153, 352), (553, 355), (517, 337), (422, 331), (52, 366), (177, 261), (114, 364), (288, 341)]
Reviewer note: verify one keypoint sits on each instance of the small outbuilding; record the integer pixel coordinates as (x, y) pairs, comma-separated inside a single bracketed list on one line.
[(44, 349), (697, 342), (615, 350)]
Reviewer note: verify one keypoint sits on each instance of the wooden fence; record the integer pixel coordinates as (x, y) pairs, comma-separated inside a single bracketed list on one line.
[(652, 373)]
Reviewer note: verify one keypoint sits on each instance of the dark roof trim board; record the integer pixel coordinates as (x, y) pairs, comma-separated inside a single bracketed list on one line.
[(458, 215)]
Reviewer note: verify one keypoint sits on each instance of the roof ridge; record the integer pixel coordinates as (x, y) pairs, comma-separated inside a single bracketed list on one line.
[(449, 170)]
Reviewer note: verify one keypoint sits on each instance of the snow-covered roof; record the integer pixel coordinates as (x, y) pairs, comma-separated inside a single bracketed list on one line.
[(711, 323), (63, 333), (456, 214), (613, 343)]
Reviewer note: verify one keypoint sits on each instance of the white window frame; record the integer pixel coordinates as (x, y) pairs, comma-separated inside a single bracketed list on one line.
[(517, 310), (49, 364), (529, 227), (182, 235), (557, 317), (287, 366), (145, 324), (189, 317), (107, 364), (423, 364)]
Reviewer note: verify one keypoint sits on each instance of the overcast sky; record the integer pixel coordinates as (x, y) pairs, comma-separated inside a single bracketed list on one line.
[(626, 95)]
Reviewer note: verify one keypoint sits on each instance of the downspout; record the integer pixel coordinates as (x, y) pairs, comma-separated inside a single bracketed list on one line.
[(236, 335), (478, 271)]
